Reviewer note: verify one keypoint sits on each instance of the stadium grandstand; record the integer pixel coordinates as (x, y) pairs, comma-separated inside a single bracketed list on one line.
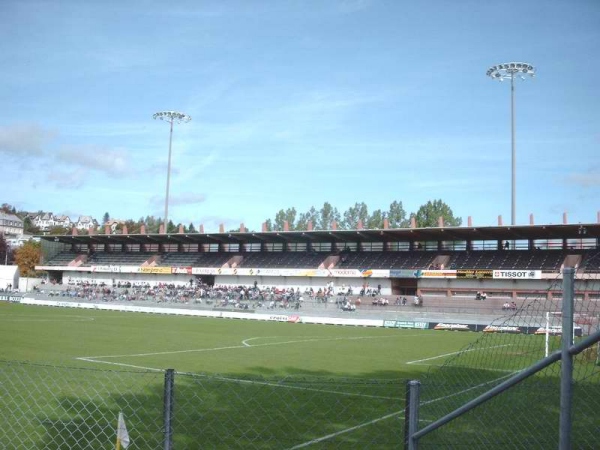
[(496, 263)]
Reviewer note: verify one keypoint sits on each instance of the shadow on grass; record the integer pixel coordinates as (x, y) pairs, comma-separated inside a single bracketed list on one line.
[(57, 408)]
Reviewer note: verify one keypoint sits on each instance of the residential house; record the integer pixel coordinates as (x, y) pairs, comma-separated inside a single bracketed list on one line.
[(10, 225), (86, 223), (63, 221), (44, 221)]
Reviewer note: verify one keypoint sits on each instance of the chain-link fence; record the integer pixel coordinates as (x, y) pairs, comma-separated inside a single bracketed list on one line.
[(48, 407), (470, 398)]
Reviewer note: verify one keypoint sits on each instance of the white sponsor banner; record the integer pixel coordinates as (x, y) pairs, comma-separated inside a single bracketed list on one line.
[(204, 271), (452, 327), (435, 273), (331, 273), (501, 329), (517, 274), (106, 268)]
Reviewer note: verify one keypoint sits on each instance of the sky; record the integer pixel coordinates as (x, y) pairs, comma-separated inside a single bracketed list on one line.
[(296, 103)]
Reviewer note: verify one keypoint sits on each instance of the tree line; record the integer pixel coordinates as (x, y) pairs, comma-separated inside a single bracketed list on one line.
[(322, 219), (426, 216)]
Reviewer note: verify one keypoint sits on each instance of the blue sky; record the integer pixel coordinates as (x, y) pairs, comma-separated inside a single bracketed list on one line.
[(295, 103)]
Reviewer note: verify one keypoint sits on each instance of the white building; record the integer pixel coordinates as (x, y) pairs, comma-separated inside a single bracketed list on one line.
[(18, 241), (10, 225), (44, 221), (63, 221), (86, 223)]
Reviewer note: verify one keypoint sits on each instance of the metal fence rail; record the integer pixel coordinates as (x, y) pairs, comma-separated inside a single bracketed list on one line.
[(503, 393)]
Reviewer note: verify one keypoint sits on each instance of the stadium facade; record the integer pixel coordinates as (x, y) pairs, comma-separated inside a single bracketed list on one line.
[(502, 261)]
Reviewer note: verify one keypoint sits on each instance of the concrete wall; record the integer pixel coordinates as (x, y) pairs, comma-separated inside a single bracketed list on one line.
[(9, 275), (27, 284)]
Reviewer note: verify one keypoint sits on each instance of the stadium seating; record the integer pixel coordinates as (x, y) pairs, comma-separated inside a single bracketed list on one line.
[(550, 260), (289, 260), (546, 260), (387, 260), (591, 261), (62, 259)]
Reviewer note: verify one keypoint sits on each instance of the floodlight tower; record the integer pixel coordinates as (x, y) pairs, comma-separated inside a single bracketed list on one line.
[(171, 117), (508, 71)]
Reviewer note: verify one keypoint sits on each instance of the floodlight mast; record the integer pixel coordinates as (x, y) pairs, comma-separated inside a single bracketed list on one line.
[(508, 71), (171, 117)]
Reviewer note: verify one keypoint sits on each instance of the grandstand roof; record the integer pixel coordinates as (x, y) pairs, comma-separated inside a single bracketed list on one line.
[(510, 233)]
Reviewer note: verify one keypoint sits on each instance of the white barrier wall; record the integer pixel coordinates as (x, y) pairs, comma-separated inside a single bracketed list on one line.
[(293, 318)]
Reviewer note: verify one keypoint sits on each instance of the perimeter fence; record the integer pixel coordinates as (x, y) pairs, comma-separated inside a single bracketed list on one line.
[(55, 408), (48, 407), (510, 390)]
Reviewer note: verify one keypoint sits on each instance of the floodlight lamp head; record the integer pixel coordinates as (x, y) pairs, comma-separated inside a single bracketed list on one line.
[(172, 116), (511, 70)]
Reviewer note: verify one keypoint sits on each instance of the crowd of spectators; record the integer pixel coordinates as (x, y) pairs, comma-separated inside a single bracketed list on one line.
[(242, 297)]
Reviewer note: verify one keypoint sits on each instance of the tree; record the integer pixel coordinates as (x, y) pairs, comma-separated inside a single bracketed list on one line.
[(171, 227), (397, 216), (8, 209), (55, 231), (289, 216), (5, 251), (429, 213), (309, 216), (327, 215), (29, 227), (152, 224), (352, 215), (192, 228), (27, 257), (375, 220), (106, 218), (132, 226)]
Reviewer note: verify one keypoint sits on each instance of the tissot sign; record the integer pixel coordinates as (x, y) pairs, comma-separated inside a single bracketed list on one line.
[(518, 274)]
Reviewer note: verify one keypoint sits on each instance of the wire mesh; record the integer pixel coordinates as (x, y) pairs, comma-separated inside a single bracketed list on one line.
[(56, 408), (291, 413), (50, 407), (525, 416)]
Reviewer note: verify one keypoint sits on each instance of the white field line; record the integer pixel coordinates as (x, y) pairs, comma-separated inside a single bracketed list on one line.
[(153, 369), (391, 415), (244, 345), (418, 361), (40, 318), (289, 386), (347, 430), (97, 359)]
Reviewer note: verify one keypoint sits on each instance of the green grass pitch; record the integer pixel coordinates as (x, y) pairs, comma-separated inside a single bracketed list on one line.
[(238, 384), (59, 336)]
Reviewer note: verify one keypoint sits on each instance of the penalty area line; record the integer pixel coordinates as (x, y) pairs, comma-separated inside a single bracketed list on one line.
[(400, 414), (418, 361), (244, 344)]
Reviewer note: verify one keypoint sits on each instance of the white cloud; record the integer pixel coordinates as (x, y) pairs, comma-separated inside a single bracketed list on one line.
[(68, 180), (24, 139), (587, 180), (104, 160), (187, 198)]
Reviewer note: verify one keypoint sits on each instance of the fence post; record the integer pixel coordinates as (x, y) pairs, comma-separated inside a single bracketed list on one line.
[(411, 414), (168, 399), (566, 376)]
